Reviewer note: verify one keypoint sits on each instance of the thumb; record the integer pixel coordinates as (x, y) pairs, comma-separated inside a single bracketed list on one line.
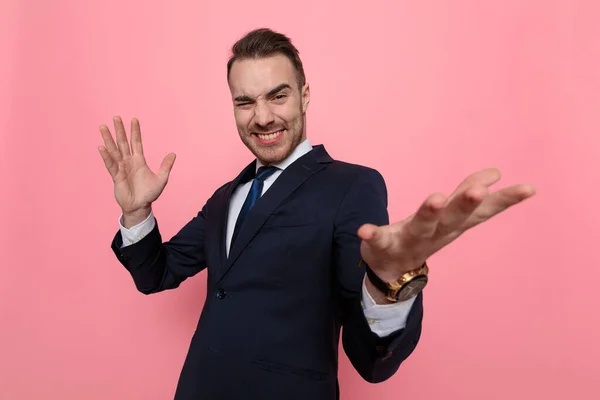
[(165, 166), (374, 235)]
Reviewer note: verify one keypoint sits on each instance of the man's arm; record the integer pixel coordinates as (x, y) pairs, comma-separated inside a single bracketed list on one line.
[(156, 266), (375, 358)]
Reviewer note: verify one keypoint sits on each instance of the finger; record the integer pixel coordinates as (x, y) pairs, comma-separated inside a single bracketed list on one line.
[(109, 143), (460, 208), (136, 137), (499, 201), (375, 236), (111, 165), (166, 166), (486, 177), (121, 137), (424, 222)]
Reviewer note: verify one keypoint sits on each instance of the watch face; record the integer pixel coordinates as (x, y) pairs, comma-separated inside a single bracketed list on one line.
[(412, 288)]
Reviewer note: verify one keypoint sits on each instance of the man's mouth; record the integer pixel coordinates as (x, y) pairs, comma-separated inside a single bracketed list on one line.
[(269, 137)]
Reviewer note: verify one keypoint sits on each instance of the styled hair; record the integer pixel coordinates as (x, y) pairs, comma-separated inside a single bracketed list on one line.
[(262, 43)]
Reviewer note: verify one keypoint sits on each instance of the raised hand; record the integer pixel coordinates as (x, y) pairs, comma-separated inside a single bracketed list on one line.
[(394, 249), (135, 185)]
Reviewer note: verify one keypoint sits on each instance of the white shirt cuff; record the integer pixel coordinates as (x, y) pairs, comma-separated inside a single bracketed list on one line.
[(385, 319), (138, 232)]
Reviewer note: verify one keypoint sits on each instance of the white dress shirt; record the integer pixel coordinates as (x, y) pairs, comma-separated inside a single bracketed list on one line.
[(383, 319)]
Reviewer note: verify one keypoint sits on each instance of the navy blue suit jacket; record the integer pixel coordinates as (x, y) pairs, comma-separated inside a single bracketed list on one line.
[(271, 321)]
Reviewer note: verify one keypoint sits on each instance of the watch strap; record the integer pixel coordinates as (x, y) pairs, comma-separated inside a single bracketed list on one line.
[(376, 281)]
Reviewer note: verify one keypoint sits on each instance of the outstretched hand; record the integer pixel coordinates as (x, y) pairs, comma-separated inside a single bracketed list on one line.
[(394, 249), (135, 185)]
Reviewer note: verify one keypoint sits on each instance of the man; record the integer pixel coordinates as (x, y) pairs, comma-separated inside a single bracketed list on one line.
[(297, 246)]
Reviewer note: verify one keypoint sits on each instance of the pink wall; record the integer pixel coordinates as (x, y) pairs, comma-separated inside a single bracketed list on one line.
[(425, 91)]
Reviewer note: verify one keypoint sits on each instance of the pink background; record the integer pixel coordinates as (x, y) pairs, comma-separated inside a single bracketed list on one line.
[(426, 91)]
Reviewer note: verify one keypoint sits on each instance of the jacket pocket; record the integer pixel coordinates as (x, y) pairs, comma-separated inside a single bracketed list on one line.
[(287, 369)]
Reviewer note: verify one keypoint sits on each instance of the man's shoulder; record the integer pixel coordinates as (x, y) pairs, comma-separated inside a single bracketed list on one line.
[(342, 168), (352, 171)]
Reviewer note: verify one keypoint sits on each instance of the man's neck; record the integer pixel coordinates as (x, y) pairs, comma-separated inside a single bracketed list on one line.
[(300, 150)]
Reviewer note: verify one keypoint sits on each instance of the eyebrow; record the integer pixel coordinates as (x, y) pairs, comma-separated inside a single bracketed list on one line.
[(271, 93)]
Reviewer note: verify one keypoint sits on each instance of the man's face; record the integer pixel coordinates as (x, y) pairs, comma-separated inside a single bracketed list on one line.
[(269, 108)]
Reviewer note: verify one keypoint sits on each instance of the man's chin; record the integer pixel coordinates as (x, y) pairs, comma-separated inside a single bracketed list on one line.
[(272, 155)]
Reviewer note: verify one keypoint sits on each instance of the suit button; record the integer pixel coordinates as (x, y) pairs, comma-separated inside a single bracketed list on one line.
[(221, 293)]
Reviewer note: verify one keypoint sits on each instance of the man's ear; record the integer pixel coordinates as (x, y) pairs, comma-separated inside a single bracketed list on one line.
[(305, 97)]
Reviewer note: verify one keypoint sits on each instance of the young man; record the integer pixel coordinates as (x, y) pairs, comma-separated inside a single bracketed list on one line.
[(297, 246)]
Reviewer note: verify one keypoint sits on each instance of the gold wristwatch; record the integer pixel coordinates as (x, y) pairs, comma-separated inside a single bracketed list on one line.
[(408, 286)]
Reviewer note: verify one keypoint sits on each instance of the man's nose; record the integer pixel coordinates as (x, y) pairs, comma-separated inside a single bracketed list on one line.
[(263, 115)]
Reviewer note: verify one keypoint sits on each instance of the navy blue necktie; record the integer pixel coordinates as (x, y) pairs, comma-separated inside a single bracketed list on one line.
[(253, 195)]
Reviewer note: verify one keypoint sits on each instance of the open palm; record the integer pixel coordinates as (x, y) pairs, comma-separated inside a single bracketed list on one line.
[(391, 250), (135, 185)]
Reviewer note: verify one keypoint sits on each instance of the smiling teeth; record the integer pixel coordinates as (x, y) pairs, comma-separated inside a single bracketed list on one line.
[(269, 136)]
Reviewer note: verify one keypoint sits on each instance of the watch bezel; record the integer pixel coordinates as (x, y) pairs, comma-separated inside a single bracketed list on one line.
[(418, 278)]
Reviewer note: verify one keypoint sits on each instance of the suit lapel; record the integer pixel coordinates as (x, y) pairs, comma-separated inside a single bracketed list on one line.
[(289, 180), (223, 203)]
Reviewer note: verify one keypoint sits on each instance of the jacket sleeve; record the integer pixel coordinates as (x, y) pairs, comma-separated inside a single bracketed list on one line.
[(156, 266), (375, 358)]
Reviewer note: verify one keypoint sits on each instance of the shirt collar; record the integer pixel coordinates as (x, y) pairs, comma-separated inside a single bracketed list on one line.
[(298, 152)]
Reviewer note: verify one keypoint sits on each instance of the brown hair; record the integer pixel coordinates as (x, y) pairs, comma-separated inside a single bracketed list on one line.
[(264, 42)]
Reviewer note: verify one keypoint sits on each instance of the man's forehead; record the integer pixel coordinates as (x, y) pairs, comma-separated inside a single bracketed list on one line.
[(255, 77)]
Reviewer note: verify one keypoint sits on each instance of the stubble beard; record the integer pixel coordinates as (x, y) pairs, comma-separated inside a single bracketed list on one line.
[(273, 155)]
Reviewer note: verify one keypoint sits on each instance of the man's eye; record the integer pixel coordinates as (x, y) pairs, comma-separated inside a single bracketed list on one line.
[(280, 96)]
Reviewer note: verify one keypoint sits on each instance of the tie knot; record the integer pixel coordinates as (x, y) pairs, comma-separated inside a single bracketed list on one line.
[(264, 172)]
